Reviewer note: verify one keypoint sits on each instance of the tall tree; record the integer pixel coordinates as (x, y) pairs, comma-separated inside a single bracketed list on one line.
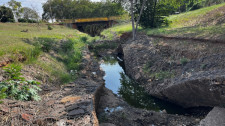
[(16, 8), (72, 9), (29, 13), (6, 14)]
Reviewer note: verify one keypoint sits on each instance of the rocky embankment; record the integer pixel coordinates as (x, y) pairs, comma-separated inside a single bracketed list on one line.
[(187, 73), (73, 104)]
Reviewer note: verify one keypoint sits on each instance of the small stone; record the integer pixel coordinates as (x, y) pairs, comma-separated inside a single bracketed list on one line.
[(4, 109), (76, 112), (26, 117), (61, 122), (72, 107), (70, 99), (51, 102), (67, 89)]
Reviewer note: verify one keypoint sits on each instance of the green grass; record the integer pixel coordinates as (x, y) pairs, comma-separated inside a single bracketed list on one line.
[(57, 52), (183, 25), (185, 19), (12, 37), (116, 31)]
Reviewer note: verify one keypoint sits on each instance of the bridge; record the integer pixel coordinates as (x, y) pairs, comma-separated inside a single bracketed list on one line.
[(92, 26)]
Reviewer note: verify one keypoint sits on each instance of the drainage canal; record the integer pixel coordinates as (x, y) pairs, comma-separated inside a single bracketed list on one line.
[(121, 85)]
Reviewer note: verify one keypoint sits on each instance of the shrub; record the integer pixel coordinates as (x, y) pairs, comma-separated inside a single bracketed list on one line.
[(67, 46), (2, 94), (84, 39), (23, 20), (49, 27), (33, 54), (6, 14), (163, 75), (46, 44), (13, 72), (16, 87), (184, 61)]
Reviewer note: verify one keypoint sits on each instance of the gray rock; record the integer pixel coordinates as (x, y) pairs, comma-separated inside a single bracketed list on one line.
[(107, 124), (193, 86), (72, 107), (196, 90), (215, 118), (76, 112)]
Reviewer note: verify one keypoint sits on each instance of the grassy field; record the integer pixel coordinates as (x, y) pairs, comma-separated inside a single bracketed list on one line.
[(192, 24), (116, 31), (56, 51)]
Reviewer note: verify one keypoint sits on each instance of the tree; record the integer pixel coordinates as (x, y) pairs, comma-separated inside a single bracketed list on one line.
[(72, 9), (29, 13), (16, 8), (132, 4), (6, 14)]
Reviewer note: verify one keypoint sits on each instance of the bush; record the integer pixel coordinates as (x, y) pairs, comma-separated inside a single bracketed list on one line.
[(67, 46), (13, 72), (184, 61), (21, 90), (16, 87), (6, 14), (46, 44), (2, 94), (49, 27), (163, 75), (24, 20), (84, 39)]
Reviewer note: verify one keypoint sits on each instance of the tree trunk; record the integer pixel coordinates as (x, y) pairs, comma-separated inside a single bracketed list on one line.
[(132, 18), (153, 14), (142, 8)]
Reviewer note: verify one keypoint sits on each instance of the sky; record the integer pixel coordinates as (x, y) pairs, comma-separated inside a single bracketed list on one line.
[(36, 4)]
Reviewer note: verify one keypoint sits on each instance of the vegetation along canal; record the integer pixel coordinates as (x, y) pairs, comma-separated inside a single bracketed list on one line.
[(121, 85)]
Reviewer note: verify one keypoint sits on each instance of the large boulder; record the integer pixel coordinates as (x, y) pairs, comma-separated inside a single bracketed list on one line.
[(200, 82), (200, 89), (214, 118)]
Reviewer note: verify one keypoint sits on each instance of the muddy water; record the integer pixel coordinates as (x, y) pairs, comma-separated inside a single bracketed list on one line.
[(117, 81)]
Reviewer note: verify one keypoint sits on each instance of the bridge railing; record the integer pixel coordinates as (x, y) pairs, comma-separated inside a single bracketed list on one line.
[(82, 20)]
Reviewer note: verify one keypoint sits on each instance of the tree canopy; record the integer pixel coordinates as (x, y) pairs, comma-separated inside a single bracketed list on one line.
[(6, 14), (71, 9), (29, 13), (16, 8)]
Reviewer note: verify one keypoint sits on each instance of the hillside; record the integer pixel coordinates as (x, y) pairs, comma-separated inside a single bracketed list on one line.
[(42, 52), (204, 23)]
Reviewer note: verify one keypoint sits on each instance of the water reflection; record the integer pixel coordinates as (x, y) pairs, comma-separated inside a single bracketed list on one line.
[(135, 95), (117, 81)]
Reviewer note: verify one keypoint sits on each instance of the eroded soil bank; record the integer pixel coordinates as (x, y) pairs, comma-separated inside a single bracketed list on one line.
[(113, 110), (153, 63), (187, 73)]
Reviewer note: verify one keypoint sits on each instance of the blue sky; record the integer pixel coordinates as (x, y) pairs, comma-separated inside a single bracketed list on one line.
[(37, 4)]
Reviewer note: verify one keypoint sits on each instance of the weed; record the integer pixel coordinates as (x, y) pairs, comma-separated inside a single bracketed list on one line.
[(33, 54), (84, 39), (49, 27), (13, 72), (21, 90), (147, 66), (163, 75), (67, 46), (16, 87), (2, 94), (203, 66), (123, 115), (184, 61)]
